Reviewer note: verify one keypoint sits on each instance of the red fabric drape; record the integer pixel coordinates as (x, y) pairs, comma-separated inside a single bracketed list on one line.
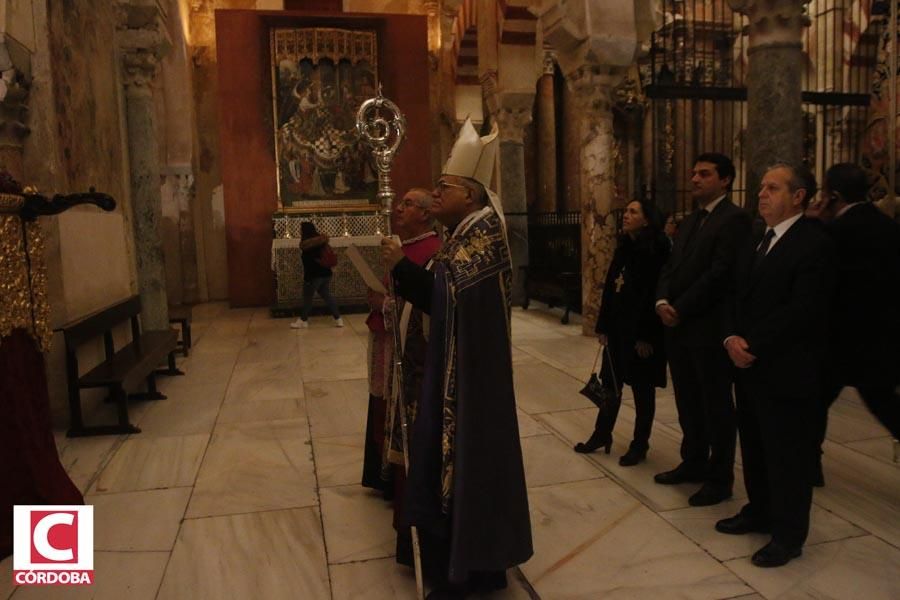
[(30, 471)]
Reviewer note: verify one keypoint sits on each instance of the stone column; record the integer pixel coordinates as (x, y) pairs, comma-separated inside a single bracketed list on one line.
[(513, 114), (592, 87), (774, 75), (434, 82), (594, 54), (571, 139), (546, 139), (184, 192), (142, 40)]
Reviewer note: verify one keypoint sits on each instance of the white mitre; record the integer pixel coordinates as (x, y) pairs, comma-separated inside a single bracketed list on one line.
[(474, 157)]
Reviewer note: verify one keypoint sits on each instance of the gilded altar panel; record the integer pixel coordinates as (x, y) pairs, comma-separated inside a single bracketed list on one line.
[(320, 76)]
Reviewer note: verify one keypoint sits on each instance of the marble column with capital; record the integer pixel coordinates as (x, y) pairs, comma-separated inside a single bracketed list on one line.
[(592, 88), (774, 76), (141, 49), (546, 139), (513, 115)]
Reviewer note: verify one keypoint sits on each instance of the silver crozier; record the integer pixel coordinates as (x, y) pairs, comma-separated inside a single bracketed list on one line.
[(381, 124)]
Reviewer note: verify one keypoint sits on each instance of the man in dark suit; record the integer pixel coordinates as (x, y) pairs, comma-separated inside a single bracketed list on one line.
[(863, 350), (692, 288), (775, 334)]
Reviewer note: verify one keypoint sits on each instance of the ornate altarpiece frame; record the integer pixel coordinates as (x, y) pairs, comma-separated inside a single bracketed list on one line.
[(320, 76)]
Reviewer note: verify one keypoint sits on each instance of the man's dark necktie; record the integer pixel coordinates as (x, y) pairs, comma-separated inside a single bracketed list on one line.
[(698, 223), (763, 248)]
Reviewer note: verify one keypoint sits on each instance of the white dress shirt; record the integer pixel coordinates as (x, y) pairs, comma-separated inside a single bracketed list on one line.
[(780, 230)]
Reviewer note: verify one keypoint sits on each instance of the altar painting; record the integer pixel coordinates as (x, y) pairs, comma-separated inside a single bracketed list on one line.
[(320, 77)]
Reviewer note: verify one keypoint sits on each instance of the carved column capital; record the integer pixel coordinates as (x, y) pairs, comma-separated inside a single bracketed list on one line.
[(593, 87), (183, 184), (548, 66), (143, 40), (139, 69), (512, 123), (773, 21), (432, 10), (512, 111), (578, 37), (449, 12)]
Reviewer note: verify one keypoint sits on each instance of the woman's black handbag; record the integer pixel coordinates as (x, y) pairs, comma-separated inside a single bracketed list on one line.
[(595, 390)]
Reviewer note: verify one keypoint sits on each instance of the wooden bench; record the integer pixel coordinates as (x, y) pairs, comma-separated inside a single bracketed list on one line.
[(124, 370), (181, 315), (553, 287)]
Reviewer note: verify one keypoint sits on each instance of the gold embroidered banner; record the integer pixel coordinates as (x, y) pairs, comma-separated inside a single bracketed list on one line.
[(23, 275)]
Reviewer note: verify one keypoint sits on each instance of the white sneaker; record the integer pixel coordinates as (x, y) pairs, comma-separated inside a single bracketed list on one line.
[(300, 324), (339, 322)]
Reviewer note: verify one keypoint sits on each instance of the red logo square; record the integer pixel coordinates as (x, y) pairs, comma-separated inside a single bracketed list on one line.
[(54, 537)]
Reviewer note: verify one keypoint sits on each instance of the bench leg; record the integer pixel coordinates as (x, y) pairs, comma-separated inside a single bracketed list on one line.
[(173, 370), (76, 420), (565, 318), (124, 426), (152, 393), (122, 406), (186, 337)]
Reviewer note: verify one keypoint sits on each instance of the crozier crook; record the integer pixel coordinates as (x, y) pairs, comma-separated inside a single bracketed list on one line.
[(381, 124)]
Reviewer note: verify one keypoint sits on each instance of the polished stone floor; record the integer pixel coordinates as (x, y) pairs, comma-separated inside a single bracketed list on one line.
[(244, 485)]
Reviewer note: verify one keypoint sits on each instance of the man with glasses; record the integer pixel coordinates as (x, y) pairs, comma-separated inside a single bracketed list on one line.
[(412, 222), (415, 226), (466, 489)]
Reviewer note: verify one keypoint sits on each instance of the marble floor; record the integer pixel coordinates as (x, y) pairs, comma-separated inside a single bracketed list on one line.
[(244, 485)]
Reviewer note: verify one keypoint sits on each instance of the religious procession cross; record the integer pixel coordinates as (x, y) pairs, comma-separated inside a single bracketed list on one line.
[(620, 281)]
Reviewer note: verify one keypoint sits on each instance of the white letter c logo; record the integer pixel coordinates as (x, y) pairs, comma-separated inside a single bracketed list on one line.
[(42, 533)]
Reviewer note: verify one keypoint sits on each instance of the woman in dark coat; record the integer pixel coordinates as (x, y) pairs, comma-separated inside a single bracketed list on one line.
[(629, 327)]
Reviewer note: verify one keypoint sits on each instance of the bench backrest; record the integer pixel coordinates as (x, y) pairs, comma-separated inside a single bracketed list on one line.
[(103, 321)]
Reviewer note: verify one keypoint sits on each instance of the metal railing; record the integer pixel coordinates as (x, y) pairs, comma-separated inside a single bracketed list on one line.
[(695, 78)]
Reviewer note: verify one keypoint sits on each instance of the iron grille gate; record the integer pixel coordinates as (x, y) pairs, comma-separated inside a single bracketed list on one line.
[(694, 77)]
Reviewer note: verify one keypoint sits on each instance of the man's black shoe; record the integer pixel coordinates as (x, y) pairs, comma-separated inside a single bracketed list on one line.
[(680, 474), (740, 524), (709, 495), (774, 554)]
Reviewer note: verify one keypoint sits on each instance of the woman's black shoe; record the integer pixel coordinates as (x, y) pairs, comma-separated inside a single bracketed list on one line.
[(633, 456), (596, 440)]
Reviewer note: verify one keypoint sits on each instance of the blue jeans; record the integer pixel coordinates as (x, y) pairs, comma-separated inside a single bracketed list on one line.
[(320, 285)]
